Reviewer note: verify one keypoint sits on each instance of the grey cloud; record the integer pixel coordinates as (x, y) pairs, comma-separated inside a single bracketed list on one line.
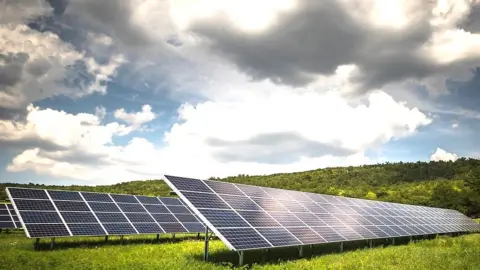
[(273, 148), (472, 22), (112, 17), (12, 69), (318, 37), (39, 67), (76, 156)]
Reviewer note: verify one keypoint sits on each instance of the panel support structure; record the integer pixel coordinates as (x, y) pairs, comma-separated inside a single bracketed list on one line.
[(36, 243), (205, 253), (240, 257), (341, 246), (52, 244), (300, 251)]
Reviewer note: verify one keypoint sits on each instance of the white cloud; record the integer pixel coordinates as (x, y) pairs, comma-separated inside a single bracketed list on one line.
[(136, 118), (21, 11), (36, 65), (343, 133), (442, 155)]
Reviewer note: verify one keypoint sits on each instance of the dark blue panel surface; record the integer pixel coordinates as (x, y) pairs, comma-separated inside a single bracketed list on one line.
[(258, 219), (40, 217), (194, 227), (47, 230), (224, 218), (170, 201), (205, 200), (71, 206), (111, 217), (119, 228), (224, 188), (148, 228), (34, 205), (24, 193), (131, 207), (287, 219), (96, 197), (244, 238), (103, 207), (156, 208), (78, 217), (306, 235), (328, 234), (148, 200), (279, 236), (86, 229), (178, 209), (188, 184), (240, 202), (139, 217), (120, 198), (174, 227), (65, 195), (164, 218)]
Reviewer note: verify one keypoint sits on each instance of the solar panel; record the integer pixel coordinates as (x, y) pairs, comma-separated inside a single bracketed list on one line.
[(250, 217), (8, 217), (56, 213)]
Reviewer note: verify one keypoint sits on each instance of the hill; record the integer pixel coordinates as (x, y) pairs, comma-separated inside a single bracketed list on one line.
[(453, 185)]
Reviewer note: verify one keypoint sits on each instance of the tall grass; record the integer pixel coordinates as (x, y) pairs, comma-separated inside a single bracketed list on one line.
[(16, 252)]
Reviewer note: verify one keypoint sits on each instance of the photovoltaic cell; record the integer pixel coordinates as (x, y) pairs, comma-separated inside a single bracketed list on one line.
[(8, 217), (236, 212), (54, 213), (279, 237)]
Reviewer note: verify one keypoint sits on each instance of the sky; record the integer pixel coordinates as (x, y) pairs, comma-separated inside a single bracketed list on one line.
[(99, 92)]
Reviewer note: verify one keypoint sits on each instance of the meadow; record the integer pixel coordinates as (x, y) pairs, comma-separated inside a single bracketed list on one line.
[(185, 252)]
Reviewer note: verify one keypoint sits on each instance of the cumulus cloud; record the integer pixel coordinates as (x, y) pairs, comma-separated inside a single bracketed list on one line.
[(295, 131), (36, 65), (136, 118), (442, 155)]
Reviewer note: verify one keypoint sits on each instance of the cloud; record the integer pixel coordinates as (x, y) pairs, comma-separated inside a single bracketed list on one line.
[(442, 155), (37, 65), (405, 40), (136, 118), (21, 11), (295, 131)]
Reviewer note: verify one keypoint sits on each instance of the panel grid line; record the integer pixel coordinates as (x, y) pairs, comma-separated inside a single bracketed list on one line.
[(11, 217), (164, 205), (58, 212), (131, 224), (94, 214), (269, 214), (357, 219), (231, 208), (149, 213)]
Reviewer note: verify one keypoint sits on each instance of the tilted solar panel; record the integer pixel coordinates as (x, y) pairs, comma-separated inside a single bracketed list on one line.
[(55, 213), (8, 217), (251, 217)]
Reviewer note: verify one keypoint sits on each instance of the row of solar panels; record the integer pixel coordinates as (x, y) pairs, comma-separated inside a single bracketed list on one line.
[(251, 217), (54, 213), (8, 217), (242, 216)]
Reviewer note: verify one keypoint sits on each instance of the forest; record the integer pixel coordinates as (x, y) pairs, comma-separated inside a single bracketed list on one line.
[(454, 185)]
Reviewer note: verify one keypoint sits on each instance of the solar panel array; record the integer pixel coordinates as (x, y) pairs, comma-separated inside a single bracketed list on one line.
[(8, 217), (53, 213), (251, 217)]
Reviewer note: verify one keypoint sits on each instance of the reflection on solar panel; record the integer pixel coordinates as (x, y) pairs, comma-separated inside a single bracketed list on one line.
[(54, 213), (250, 217), (8, 217)]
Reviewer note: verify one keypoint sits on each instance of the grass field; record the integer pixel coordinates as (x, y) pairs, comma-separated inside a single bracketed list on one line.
[(443, 252)]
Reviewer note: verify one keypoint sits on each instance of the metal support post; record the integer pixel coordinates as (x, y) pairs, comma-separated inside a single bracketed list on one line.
[(0, 230), (173, 236), (370, 243), (52, 244), (36, 243), (198, 235), (411, 238), (158, 236), (106, 238), (341, 246), (311, 250), (240, 258), (300, 251), (205, 252), (121, 239), (393, 241)]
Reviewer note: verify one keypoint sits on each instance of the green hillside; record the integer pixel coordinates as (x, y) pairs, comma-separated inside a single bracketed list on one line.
[(453, 185)]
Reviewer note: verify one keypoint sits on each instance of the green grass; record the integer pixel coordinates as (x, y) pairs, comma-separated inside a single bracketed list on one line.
[(16, 252)]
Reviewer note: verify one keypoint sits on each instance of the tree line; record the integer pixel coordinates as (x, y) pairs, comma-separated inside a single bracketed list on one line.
[(454, 185)]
